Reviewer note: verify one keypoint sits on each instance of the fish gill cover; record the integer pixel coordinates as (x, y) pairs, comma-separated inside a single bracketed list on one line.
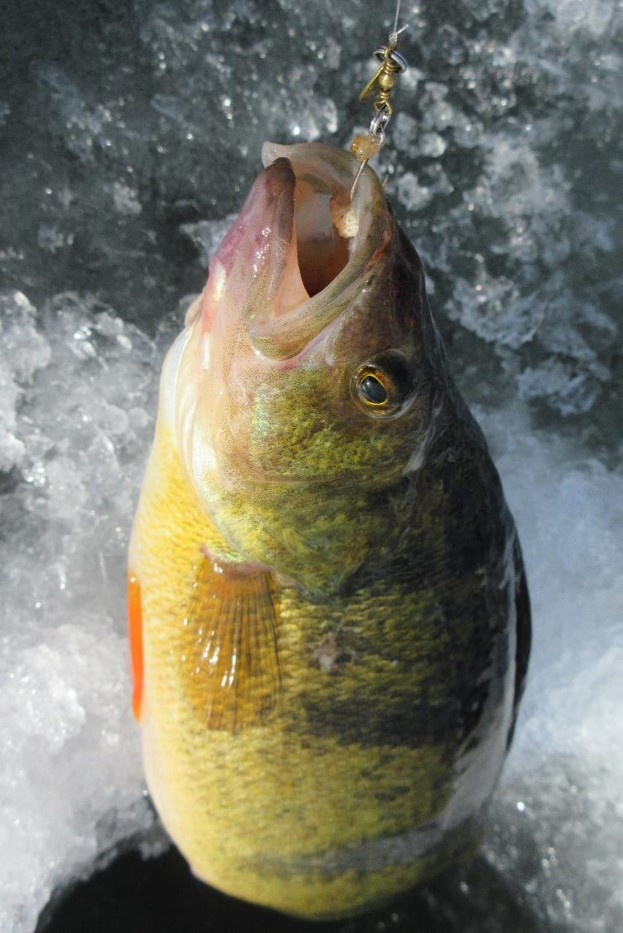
[(130, 133)]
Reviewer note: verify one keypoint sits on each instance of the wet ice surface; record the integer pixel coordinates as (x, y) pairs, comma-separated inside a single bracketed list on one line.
[(129, 134)]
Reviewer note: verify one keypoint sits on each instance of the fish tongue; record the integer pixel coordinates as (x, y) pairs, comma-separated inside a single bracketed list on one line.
[(257, 261)]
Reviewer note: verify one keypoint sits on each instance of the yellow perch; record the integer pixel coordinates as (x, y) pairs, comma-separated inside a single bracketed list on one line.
[(328, 611)]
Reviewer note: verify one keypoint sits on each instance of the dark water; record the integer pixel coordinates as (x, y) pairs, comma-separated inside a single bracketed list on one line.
[(137, 896)]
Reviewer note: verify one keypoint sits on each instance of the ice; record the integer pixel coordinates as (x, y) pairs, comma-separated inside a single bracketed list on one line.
[(85, 381), (558, 823), (130, 137), (411, 194), (125, 198), (570, 391), (22, 352), (574, 15)]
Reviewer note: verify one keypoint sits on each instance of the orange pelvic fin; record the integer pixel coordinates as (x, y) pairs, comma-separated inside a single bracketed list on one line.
[(232, 664), (135, 623)]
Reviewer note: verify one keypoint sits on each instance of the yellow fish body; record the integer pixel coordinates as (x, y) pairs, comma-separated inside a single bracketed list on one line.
[(328, 612)]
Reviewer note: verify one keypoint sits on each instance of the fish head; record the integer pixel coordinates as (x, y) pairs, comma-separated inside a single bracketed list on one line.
[(311, 366)]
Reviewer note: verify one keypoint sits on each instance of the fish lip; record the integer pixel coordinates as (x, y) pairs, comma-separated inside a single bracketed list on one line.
[(285, 336)]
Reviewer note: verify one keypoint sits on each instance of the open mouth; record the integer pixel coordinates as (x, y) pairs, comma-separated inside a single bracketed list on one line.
[(300, 244), (322, 252)]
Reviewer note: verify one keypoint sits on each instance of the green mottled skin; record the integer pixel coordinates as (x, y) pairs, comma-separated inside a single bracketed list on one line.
[(402, 619)]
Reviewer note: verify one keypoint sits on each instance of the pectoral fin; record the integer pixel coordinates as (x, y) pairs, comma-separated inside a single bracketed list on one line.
[(232, 665)]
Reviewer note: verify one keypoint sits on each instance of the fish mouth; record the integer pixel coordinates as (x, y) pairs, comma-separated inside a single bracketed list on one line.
[(301, 245)]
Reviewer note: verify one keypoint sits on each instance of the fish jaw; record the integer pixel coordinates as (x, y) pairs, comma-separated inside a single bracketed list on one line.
[(283, 266), (255, 266)]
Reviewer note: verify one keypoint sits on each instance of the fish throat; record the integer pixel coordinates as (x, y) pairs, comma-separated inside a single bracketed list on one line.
[(321, 251)]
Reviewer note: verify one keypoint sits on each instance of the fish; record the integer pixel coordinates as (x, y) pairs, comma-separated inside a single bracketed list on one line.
[(328, 609)]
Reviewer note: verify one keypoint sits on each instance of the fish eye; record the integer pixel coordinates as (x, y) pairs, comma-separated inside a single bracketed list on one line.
[(372, 389), (382, 386)]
